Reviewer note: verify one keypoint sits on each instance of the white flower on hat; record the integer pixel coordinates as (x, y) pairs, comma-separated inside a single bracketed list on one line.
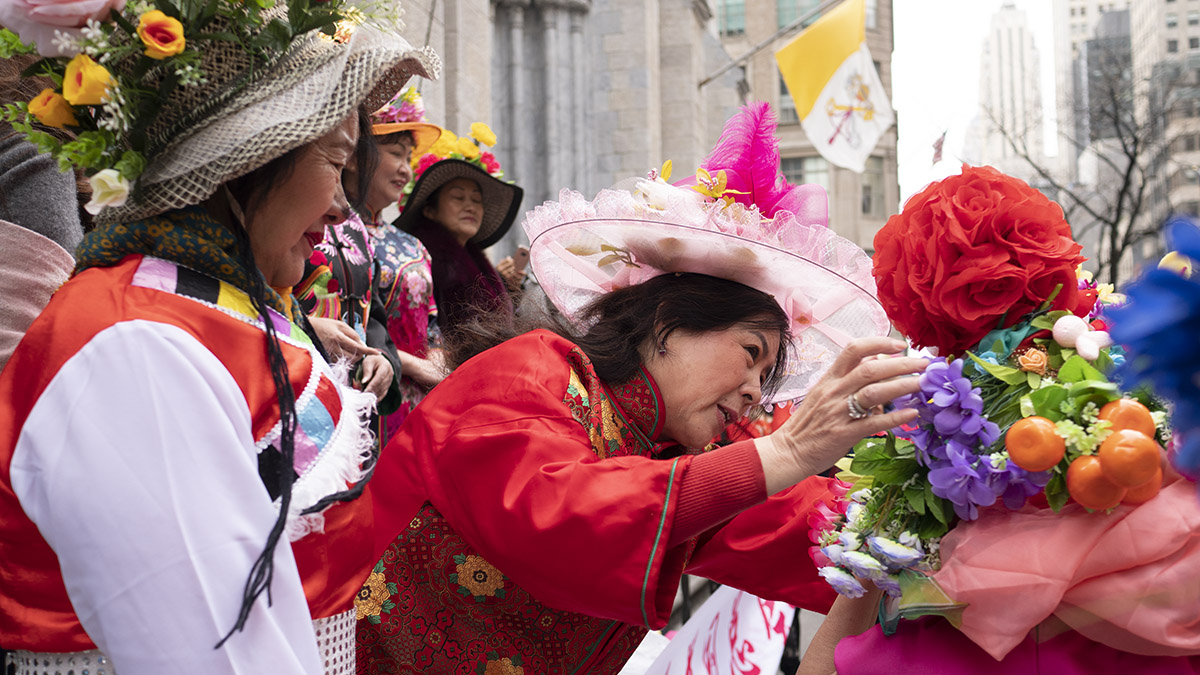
[(109, 188)]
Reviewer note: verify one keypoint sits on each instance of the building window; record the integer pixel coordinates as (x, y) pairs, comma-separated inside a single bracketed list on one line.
[(1189, 143), (731, 17), (872, 188), (1172, 46), (788, 11), (1194, 43), (1172, 20), (1194, 18), (787, 106), (872, 13), (800, 170)]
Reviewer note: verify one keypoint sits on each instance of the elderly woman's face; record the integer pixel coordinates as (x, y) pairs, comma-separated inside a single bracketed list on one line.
[(708, 380), (290, 219), (459, 208), (394, 172)]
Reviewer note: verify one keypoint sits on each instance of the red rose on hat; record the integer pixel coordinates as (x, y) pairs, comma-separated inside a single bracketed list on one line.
[(969, 251)]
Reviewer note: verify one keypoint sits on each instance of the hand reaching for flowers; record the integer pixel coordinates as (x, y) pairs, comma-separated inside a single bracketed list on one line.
[(822, 429)]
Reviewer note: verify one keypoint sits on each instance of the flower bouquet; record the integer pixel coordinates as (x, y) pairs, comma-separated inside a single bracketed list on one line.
[(1018, 404)]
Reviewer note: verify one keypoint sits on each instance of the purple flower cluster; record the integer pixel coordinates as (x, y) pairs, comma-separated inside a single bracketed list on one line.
[(952, 428), (950, 409)]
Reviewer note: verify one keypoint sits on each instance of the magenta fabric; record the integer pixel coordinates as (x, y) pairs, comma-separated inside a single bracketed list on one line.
[(932, 645)]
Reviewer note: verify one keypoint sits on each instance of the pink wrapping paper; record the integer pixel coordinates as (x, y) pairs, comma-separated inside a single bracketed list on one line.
[(1129, 579)]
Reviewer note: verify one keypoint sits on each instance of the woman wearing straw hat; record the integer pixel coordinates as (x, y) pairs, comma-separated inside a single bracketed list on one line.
[(544, 500), (457, 210), (173, 443)]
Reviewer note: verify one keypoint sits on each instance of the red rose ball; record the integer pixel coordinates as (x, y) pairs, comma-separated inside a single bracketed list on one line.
[(972, 253)]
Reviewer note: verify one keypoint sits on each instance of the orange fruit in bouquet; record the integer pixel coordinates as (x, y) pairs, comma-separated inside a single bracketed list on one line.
[(1126, 413), (1034, 445), (1129, 457), (1089, 486), (1146, 491)]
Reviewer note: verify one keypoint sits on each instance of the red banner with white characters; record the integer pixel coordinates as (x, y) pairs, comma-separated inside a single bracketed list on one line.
[(733, 633)]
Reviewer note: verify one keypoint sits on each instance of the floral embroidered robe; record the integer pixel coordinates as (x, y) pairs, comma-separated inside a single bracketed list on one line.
[(404, 289), (523, 515)]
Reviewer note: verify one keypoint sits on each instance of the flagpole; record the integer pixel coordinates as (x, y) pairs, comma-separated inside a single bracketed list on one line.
[(810, 14)]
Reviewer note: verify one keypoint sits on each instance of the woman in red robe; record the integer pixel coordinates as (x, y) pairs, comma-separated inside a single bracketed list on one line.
[(536, 511)]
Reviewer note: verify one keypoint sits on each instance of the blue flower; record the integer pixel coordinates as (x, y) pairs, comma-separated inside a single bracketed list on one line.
[(850, 541), (834, 553), (1158, 329), (842, 581), (861, 564), (894, 553), (1117, 354), (949, 408), (944, 383), (888, 583), (989, 356)]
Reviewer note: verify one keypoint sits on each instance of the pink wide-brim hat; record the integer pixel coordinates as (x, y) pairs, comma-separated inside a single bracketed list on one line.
[(582, 249)]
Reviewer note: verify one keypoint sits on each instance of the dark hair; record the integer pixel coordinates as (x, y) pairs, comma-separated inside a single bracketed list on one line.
[(396, 137), (622, 322), (366, 161), (625, 320), (249, 190)]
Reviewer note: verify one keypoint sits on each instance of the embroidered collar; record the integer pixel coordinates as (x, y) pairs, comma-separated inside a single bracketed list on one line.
[(640, 405)]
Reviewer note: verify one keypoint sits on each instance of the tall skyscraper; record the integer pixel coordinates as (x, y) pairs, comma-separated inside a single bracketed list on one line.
[(1075, 22), (1010, 98), (1166, 68)]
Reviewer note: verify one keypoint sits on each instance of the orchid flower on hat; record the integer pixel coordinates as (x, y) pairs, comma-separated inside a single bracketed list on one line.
[(406, 106)]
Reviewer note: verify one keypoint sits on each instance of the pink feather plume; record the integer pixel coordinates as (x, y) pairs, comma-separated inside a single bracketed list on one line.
[(748, 152)]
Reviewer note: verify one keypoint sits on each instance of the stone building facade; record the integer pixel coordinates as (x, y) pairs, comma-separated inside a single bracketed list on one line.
[(581, 93)]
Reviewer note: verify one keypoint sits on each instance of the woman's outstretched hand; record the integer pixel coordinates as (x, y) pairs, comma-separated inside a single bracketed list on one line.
[(822, 429), (339, 339)]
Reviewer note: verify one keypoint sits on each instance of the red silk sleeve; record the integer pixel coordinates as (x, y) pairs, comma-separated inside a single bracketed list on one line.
[(764, 549), (497, 452)]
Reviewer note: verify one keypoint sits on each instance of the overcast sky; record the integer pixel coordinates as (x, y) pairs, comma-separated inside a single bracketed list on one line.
[(935, 78)]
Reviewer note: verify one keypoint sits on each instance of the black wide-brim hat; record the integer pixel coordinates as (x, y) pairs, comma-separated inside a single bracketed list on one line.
[(501, 200)]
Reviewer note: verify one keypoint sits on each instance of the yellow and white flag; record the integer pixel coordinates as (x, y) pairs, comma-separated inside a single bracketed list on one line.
[(838, 95)]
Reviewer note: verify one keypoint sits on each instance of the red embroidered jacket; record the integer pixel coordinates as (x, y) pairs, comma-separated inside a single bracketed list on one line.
[(525, 516)]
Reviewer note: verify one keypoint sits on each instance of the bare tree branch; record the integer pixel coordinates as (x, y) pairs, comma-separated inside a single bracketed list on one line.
[(1115, 209)]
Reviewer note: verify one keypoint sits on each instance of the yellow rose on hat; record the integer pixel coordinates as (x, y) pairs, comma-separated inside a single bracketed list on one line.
[(51, 109), (446, 144), (86, 82), (467, 148), (162, 35), (483, 133)]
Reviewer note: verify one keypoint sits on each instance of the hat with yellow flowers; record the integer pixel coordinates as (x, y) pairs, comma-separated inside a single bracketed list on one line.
[(169, 103)]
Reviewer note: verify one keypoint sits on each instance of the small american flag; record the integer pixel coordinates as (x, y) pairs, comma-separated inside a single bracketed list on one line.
[(937, 147)]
